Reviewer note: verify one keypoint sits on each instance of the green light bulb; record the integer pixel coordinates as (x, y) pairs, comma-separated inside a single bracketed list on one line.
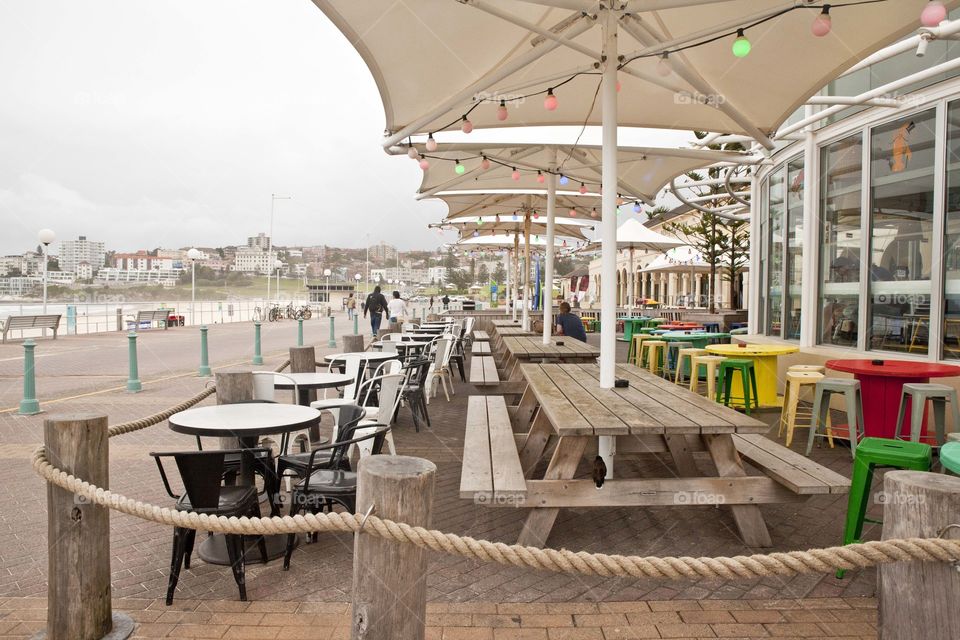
[(459, 168), (741, 46)]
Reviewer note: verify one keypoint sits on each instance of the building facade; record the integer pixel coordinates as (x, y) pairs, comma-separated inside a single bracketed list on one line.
[(254, 260), (73, 252)]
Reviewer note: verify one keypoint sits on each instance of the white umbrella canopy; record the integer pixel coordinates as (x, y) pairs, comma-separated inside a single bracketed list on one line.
[(642, 171), (633, 234), (507, 241), (510, 206), (566, 228), (473, 53)]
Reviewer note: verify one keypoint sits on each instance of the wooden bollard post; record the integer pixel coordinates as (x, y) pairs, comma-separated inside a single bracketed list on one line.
[(78, 535), (919, 599), (390, 578), (353, 343)]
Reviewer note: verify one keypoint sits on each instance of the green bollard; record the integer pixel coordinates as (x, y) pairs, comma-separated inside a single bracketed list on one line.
[(29, 405), (332, 342), (356, 320), (133, 377), (300, 332), (257, 358), (204, 371)]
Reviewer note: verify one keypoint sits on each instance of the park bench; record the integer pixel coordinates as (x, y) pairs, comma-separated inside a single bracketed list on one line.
[(20, 323), (481, 349), (491, 472), (797, 473), (483, 371), (149, 317), (481, 336)]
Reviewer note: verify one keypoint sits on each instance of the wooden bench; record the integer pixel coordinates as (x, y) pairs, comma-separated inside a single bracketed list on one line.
[(481, 349), (797, 473), (149, 317), (481, 336), (19, 323), (483, 371), (491, 472)]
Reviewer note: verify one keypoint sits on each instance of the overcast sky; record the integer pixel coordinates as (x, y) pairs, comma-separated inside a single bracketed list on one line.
[(169, 124)]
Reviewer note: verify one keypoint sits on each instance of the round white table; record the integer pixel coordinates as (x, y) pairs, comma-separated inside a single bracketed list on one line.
[(246, 422), (307, 381), (369, 356)]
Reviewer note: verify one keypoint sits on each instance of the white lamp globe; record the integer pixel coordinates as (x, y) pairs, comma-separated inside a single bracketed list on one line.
[(327, 272), (277, 264), (357, 277), (194, 254), (46, 236)]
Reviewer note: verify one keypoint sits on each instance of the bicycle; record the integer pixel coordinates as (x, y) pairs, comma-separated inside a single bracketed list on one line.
[(276, 313)]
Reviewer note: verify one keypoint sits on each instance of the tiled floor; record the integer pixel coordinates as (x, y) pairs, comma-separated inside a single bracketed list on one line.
[(321, 572)]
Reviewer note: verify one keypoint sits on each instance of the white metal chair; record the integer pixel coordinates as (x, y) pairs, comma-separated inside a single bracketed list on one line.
[(443, 347), (382, 413), (353, 367)]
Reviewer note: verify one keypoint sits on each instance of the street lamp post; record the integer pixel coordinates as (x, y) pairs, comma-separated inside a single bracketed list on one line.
[(367, 281), (356, 312), (278, 265), (326, 274), (46, 236), (273, 198), (193, 255)]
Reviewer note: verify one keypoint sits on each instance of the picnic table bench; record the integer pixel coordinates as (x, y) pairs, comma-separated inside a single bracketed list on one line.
[(20, 323), (483, 371), (491, 473), (564, 402), (481, 349), (151, 316), (481, 336), (519, 349)]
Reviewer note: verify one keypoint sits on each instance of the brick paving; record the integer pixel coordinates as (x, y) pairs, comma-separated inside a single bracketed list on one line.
[(468, 598)]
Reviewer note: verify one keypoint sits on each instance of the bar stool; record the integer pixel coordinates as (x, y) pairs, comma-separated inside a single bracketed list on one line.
[(654, 352), (673, 349), (816, 368), (748, 379), (687, 354), (635, 351), (710, 363), (919, 393), (711, 327), (874, 453), (850, 389), (796, 381)]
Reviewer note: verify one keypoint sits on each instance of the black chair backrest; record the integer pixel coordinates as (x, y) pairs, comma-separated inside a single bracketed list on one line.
[(342, 446), (420, 371), (201, 473)]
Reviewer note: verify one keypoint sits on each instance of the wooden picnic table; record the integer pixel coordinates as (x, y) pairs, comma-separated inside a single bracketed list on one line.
[(506, 332), (652, 415), (520, 349), (505, 323)]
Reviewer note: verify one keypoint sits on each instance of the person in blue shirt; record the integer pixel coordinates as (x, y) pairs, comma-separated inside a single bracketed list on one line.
[(570, 325)]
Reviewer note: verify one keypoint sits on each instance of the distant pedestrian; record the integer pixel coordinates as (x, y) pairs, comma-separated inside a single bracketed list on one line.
[(351, 307), (396, 309), (376, 305), (431, 304), (569, 324), (445, 300)]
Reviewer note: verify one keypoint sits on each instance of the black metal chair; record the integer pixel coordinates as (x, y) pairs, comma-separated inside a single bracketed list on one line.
[(201, 473), (458, 351), (414, 391), (322, 488), (297, 463)]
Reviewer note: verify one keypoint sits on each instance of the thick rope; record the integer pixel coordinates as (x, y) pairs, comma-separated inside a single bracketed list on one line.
[(852, 556), (862, 555)]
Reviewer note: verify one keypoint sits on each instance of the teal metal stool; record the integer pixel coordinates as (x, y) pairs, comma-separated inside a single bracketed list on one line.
[(748, 379), (918, 394), (850, 389), (871, 454), (673, 356), (950, 457)]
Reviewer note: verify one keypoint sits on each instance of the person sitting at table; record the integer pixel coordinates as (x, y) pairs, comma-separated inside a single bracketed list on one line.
[(570, 325), (396, 308)]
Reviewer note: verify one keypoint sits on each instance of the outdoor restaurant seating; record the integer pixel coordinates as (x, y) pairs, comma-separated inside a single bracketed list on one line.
[(853, 404), (918, 394), (348, 417), (353, 367), (201, 473), (748, 378), (795, 383), (413, 392)]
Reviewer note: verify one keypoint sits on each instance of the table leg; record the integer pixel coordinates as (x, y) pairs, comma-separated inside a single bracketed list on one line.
[(563, 466), (753, 529), (535, 443), (524, 411), (682, 454)]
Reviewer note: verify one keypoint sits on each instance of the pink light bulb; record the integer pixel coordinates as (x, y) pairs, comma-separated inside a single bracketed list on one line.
[(540, 178), (619, 86), (502, 111), (424, 164), (593, 213), (573, 213), (466, 126), (412, 153), (822, 24), (515, 175), (933, 14), (431, 143), (550, 102), (484, 164), (583, 188)]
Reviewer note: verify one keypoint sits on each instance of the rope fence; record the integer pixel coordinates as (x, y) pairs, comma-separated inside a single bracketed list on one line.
[(827, 560)]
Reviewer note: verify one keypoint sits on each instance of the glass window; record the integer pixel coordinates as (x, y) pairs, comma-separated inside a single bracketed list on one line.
[(775, 271), (840, 241), (794, 248), (901, 225), (764, 249), (951, 242)]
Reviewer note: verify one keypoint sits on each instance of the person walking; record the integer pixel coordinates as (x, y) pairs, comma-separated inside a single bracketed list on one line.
[(396, 309), (351, 307), (569, 324), (376, 304)]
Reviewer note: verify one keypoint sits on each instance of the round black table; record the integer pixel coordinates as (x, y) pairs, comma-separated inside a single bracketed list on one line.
[(246, 422)]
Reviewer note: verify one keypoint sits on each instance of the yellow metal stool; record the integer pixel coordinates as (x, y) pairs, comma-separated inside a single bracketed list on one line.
[(796, 381), (815, 368), (682, 355), (710, 363), (634, 356), (655, 353)]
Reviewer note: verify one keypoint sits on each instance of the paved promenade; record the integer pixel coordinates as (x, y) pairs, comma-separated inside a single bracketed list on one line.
[(468, 599)]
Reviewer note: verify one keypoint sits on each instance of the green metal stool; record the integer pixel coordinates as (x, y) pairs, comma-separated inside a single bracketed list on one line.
[(748, 378), (873, 453), (950, 457), (673, 358)]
